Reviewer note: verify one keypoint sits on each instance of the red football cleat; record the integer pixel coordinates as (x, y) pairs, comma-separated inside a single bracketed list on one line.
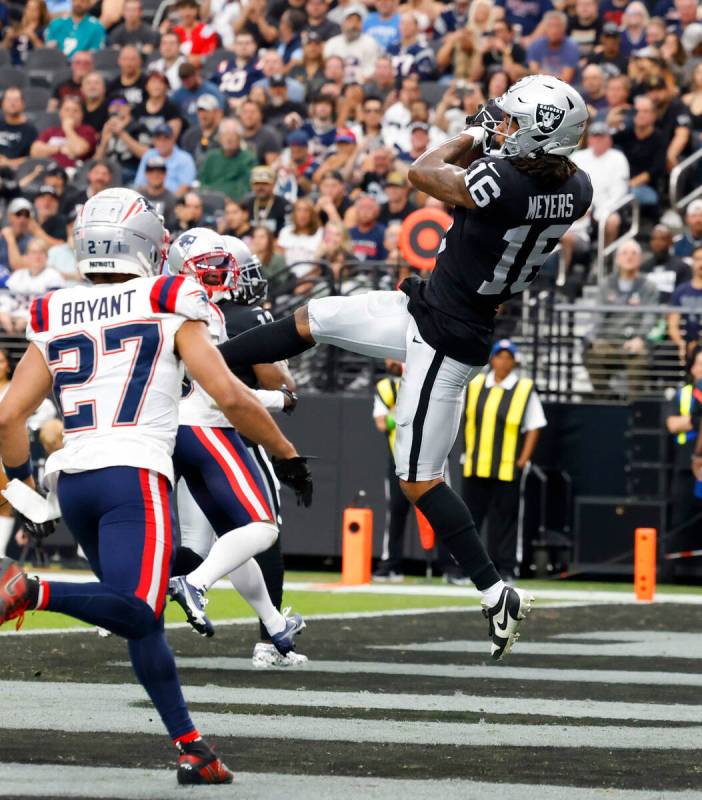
[(18, 593), (198, 764)]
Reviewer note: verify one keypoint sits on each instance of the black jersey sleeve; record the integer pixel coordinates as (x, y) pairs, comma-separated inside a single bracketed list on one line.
[(488, 183), (240, 318)]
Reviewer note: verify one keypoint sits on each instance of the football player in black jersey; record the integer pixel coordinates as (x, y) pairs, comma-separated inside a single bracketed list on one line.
[(515, 193)]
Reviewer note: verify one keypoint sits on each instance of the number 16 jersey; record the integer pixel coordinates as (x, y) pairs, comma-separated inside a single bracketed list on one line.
[(110, 349), (492, 252)]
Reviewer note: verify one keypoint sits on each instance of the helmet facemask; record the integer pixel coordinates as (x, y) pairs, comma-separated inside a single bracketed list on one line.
[(251, 285), (215, 271)]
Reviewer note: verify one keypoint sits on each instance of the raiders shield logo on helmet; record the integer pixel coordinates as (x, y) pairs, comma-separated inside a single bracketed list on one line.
[(548, 117)]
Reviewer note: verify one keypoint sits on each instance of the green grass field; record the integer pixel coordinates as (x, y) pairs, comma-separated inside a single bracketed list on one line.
[(227, 604)]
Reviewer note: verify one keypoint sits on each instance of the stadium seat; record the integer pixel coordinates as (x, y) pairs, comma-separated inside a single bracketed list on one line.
[(43, 65), (11, 76), (212, 202), (211, 62), (149, 8), (4, 58), (45, 119), (36, 98), (105, 59), (28, 166), (431, 92), (55, 80)]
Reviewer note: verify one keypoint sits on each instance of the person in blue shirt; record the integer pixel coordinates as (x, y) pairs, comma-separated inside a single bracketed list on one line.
[(410, 55), (290, 28), (554, 53), (180, 167), (384, 23), (192, 88), (235, 75), (525, 13), (692, 238), (79, 31), (367, 235), (453, 19)]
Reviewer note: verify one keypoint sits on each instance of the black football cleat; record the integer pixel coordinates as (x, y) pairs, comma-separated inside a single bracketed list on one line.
[(504, 619), (18, 593), (198, 765)]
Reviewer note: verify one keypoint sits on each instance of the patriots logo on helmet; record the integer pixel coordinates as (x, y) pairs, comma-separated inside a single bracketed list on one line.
[(186, 240), (548, 117)]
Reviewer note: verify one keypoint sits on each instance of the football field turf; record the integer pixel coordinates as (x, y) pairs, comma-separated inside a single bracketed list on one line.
[(600, 699)]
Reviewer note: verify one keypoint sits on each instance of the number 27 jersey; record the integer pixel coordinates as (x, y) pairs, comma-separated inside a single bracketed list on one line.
[(116, 376)]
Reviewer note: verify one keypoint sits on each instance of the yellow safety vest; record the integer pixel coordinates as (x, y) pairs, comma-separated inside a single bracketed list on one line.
[(387, 392), (685, 407), (493, 428)]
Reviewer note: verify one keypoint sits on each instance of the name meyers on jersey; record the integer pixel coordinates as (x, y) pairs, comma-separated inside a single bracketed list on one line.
[(547, 206), (82, 311)]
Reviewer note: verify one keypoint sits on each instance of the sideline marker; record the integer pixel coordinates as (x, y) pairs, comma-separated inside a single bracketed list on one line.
[(645, 564), (357, 546)]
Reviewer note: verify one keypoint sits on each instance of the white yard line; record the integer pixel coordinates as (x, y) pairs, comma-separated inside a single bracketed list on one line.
[(41, 780)]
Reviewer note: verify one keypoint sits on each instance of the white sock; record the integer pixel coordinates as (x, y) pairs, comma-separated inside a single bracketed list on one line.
[(492, 594), (6, 526), (248, 581), (231, 551)]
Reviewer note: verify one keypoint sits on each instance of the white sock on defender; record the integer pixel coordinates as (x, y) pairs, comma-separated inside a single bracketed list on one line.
[(231, 551), (6, 526), (248, 581), (492, 594)]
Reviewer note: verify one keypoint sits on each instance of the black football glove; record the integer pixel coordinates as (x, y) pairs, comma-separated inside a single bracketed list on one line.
[(290, 401), (37, 530), (295, 473)]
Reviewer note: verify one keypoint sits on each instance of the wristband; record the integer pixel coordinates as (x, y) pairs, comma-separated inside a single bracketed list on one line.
[(20, 472)]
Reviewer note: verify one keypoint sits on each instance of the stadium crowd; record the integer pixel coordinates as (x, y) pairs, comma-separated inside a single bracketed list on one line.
[(291, 124)]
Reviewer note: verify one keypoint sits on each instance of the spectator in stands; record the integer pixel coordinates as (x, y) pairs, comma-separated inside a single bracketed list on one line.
[(321, 126), (280, 112), (253, 20), (100, 176), (236, 74), (131, 81), (619, 338), (263, 140), (15, 237), (341, 158), (672, 120), (227, 168), (28, 33), (692, 50), (318, 22), (76, 32), (585, 27), (272, 64), (81, 65), (95, 105), (609, 55), (382, 82), (374, 173), (273, 263), (666, 270), (310, 71), (16, 133), (299, 161), (236, 221), (123, 140), (458, 102), (502, 52), (157, 108), (180, 167), (554, 53), (189, 212), (336, 248), (170, 59), (359, 50), (383, 24), (48, 224), (192, 88), (196, 38), (202, 138), (290, 27), (692, 238), (419, 142), (526, 15), (645, 150), (460, 55), (134, 31), (300, 240), (264, 206), (398, 206), (634, 22), (685, 327), (367, 234), (452, 18), (398, 115), (593, 88), (333, 202), (71, 141), (693, 102), (154, 190), (411, 55), (56, 177)]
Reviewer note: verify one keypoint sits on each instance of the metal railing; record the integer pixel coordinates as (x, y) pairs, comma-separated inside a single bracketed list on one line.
[(603, 250), (676, 185)]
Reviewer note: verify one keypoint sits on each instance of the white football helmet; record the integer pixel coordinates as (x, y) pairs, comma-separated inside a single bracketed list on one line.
[(118, 231), (551, 116), (202, 254), (251, 285)]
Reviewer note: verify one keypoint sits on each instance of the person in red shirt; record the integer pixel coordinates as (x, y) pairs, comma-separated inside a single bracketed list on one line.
[(196, 38), (69, 143)]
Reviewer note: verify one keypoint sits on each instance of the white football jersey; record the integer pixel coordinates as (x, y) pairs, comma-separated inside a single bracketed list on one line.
[(111, 352)]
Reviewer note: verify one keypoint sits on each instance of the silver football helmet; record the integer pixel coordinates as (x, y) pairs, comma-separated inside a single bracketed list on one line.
[(251, 285), (202, 254), (118, 231), (551, 116)]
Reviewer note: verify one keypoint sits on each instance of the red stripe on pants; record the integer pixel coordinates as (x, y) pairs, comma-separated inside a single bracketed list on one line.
[(250, 481), (167, 544), (147, 557)]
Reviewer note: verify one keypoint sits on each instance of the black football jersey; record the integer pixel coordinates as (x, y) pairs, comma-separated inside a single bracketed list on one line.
[(238, 319), (491, 253)]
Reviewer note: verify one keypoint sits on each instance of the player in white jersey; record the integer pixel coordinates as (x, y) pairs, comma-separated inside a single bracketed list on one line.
[(112, 355), (221, 490)]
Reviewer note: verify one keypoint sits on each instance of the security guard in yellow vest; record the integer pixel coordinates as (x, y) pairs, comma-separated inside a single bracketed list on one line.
[(684, 505), (503, 419), (398, 506)]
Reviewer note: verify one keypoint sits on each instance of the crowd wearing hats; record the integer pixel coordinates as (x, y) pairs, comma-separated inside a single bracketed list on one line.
[(293, 123)]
